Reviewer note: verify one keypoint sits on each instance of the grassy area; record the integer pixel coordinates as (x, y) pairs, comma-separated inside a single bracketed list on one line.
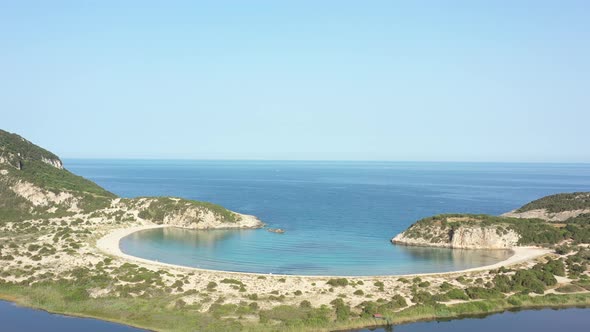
[(149, 299), (159, 314)]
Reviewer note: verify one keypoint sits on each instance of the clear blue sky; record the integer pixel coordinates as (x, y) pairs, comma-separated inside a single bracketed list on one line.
[(354, 80)]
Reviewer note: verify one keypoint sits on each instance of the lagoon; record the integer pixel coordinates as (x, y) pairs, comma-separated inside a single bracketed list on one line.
[(545, 320), (15, 318)]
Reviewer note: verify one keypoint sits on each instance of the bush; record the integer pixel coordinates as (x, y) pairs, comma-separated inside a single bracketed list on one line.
[(397, 302), (456, 294), (359, 292), (339, 282), (232, 281), (423, 297), (305, 304), (342, 309), (483, 293), (445, 286), (556, 267), (379, 285)]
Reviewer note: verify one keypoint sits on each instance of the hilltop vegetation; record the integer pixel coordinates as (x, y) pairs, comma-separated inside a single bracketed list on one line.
[(559, 203), (161, 207), (14, 150), (531, 231), (34, 184)]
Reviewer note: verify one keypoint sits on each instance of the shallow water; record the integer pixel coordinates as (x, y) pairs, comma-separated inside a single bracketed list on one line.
[(254, 251), (545, 320), (14, 318), (338, 216)]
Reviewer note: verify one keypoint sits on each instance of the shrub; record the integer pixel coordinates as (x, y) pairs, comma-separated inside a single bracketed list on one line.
[(342, 309), (338, 282), (379, 285), (445, 286), (231, 281), (423, 297), (397, 302), (456, 294), (424, 284), (305, 304), (483, 293)]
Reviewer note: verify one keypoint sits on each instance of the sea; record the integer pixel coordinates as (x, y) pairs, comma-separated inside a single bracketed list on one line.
[(338, 217)]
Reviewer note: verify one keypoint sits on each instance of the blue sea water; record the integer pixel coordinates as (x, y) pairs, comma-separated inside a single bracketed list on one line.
[(338, 216)]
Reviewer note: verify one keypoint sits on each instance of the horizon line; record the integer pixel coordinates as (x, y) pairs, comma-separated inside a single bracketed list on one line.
[(324, 160)]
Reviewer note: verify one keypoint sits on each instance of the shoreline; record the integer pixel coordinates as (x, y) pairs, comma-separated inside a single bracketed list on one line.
[(110, 244), (402, 321)]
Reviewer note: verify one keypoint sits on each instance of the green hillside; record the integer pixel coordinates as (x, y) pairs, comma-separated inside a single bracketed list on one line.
[(559, 202)]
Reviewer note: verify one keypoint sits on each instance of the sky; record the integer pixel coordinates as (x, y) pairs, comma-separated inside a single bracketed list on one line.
[(505, 81)]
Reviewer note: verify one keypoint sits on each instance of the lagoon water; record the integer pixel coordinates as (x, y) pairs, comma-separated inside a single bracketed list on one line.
[(338, 216), (14, 319), (545, 320)]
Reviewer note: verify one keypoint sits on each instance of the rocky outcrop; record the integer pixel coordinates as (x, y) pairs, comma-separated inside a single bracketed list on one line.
[(189, 214), (44, 198), (546, 215), (483, 238), (206, 219), (463, 237), (53, 162)]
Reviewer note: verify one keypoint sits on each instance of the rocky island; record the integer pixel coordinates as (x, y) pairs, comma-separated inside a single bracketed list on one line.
[(59, 252)]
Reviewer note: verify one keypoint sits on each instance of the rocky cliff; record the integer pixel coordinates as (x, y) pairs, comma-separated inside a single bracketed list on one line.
[(458, 232), (547, 221)]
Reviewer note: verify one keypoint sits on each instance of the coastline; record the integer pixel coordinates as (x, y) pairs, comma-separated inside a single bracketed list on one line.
[(110, 244)]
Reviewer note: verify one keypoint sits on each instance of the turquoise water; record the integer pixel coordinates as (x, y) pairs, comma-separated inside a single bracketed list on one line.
[(338, 216)]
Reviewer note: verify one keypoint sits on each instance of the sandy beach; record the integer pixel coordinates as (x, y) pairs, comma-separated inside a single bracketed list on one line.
[(109, 244)]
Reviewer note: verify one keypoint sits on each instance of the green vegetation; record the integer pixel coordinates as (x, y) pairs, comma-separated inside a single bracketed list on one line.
[(532, 231), (170, 300), (379, 285), (160, 207), (338, 282), (16, 149), (560, 202)]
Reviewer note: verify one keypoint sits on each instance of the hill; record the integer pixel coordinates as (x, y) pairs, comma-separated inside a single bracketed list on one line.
[(533, 224), (35, 185)]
